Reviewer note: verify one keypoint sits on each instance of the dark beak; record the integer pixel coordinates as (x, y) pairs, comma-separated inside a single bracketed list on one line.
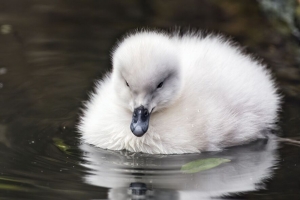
[(140, 121)]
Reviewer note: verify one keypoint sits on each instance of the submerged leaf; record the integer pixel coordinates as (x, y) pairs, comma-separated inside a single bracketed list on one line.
[(12, 187), (59, 143), (202, 164), (2, 178)]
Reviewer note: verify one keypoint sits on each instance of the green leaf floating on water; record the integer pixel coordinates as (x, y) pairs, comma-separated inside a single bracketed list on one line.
[(59, 143), (203, 164)]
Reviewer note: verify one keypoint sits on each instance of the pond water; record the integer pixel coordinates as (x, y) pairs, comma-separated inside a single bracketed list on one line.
[(51, 52)]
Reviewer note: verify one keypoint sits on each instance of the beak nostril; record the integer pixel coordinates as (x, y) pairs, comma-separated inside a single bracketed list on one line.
[(146, 113)]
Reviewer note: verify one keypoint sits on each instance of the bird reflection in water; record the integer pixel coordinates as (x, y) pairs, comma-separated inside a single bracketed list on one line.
[(143, 176)]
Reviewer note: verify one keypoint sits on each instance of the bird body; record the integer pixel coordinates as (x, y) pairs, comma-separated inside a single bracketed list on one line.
[(198, 94)]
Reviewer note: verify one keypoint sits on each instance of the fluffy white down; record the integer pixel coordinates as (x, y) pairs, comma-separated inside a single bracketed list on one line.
[(223, 97)]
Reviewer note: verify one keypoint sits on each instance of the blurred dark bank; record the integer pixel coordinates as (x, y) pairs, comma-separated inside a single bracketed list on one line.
[(51, 52)]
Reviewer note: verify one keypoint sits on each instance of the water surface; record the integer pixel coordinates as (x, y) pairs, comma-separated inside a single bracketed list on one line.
[(51, 52)]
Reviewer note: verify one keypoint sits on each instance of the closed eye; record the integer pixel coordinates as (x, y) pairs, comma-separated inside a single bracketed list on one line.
[(127, 84), (160, 85)]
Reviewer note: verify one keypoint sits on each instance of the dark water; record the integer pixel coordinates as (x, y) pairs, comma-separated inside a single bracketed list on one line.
[(52, 51)]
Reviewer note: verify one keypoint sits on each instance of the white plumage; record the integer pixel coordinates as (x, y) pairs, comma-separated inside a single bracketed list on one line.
[(213, 96)]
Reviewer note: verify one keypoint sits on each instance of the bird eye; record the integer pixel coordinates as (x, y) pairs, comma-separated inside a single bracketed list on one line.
[(160, 85), (127, 84)]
